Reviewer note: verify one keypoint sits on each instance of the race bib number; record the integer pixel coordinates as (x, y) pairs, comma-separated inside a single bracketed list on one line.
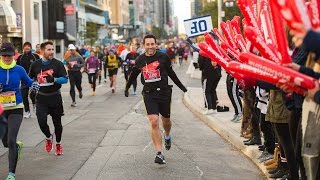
[(132, 61), (72, 63), (92, 70), (152, 75), (41, 78), (8, 99)]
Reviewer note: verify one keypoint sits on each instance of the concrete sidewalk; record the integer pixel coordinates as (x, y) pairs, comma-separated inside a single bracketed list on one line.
[(221, 122)]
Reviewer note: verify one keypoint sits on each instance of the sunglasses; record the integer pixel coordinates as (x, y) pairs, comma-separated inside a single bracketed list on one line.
[(6, 55)]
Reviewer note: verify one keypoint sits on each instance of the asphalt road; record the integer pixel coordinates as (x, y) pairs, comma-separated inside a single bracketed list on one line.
[(107, 137)]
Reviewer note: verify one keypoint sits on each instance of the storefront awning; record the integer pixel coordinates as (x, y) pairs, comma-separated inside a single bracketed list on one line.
[(7, 15), (95, 18)]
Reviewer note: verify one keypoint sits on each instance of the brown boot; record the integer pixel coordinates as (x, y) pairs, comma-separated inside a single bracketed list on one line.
[(248, 136), (275, 157), (272, 166)]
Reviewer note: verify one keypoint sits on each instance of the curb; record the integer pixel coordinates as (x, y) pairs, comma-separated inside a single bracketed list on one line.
[(227, 133)]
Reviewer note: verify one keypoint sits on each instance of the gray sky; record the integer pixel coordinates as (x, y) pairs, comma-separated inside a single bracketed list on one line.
[(182, 10)]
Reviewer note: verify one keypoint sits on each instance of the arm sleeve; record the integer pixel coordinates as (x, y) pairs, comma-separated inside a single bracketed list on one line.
[(62, 71), (200, 62), (25, 78), (31, 73), (133, 75), (100, 64), (18, 60), (173, 76), (127, 57), (312, 42), (61, 80), (81, 62), (317, 97), (309, 72), (36, 56)]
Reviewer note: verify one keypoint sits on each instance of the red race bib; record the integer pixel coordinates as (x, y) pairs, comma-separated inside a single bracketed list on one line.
[(151, 73)]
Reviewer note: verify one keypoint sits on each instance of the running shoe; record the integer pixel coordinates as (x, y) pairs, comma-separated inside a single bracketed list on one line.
[(159, 159), (93, 93), (11, 176), (234, 117), (49, 145), (19, 147), (73, 104), (80, 94), (27, 115), (167, 143), (59, 150), (134, 93)]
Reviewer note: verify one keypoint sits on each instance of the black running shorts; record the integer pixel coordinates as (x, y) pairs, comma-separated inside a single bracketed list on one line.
[(158, 103), (112, 72)]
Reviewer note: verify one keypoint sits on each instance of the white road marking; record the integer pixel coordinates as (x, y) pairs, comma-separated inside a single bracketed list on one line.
[(147, 146)]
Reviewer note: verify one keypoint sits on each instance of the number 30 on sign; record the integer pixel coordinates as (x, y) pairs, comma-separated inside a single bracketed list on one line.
[(198, 26)]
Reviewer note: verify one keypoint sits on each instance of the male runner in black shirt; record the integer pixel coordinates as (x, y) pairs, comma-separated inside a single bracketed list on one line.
[(156, 67), (50, 74)]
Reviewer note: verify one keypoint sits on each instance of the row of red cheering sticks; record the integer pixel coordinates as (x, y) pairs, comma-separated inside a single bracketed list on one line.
[(263, 32)]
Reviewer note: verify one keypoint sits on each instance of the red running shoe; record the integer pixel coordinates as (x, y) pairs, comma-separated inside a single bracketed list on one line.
[(59, 150), (49, 145)]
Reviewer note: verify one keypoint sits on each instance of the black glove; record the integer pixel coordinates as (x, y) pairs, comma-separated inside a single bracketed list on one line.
[(185, 90), (49, 78), (126, 93)]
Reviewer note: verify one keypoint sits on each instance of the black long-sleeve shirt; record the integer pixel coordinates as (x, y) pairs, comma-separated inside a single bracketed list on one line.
[(207, 69), (25, 60), (155, 72)]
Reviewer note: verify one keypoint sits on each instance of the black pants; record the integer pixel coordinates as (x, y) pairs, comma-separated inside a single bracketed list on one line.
[(233, 93), (105, 70), (9, 140), (25, 95), (126, 76), (75, 78), (209, 86), (296, 135), (50, 105), (268, 133), (93, 80), (284, 138), (255, 122)]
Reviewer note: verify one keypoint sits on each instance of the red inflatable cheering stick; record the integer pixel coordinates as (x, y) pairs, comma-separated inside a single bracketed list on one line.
[(228, 34), (313, 13), (249, 15), (277, 70), (214, 56), (217, 33), (266, 50), (259, 74)]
